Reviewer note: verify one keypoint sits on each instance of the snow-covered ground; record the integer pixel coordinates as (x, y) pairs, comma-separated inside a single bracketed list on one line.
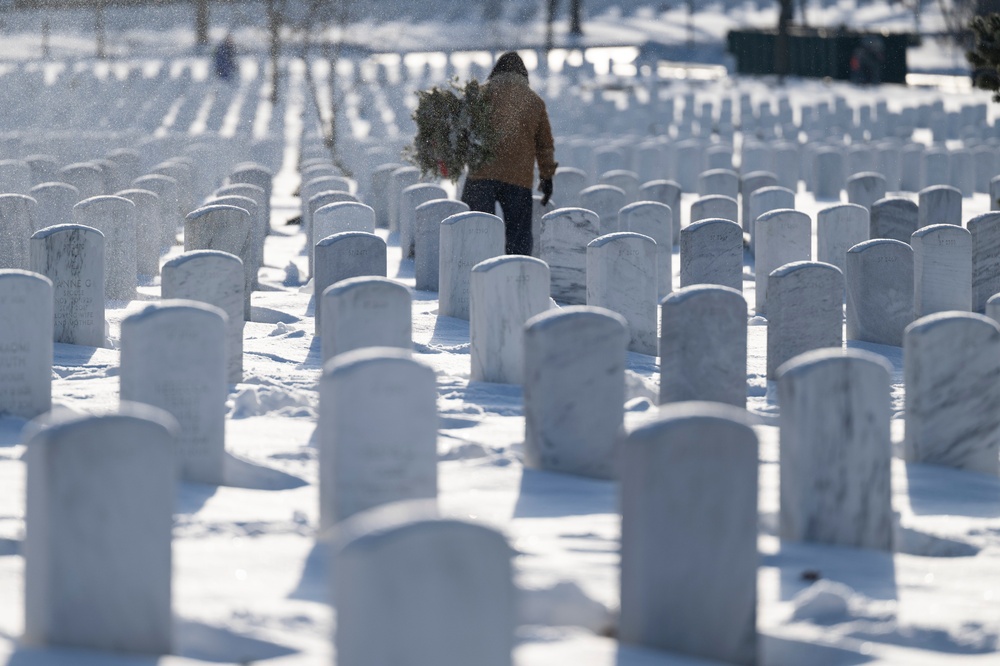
[(249, 571)]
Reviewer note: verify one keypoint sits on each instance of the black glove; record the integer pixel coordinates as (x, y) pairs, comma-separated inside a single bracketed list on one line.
[(545, 187)]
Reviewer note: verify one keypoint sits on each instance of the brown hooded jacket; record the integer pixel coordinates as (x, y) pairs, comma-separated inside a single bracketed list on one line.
[(522, 123)]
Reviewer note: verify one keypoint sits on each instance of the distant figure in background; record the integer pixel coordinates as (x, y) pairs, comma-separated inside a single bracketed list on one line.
[(225, 59), (524, 137), (867, 60)]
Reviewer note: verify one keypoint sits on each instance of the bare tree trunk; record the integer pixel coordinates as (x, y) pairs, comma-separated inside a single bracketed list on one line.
[(575, 20), (782, 55), (690, 23), (99, 36), (201, 22), (274, 29), (331, 53), (46, 50), (550, 20)]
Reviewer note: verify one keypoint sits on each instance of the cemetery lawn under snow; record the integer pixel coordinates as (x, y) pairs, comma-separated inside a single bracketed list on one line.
[(249, 578)]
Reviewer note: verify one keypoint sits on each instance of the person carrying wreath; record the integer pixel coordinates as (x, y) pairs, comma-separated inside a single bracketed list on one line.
[(524, 137)]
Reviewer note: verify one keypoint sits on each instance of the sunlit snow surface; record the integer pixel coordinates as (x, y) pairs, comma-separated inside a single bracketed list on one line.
[(249, 580)]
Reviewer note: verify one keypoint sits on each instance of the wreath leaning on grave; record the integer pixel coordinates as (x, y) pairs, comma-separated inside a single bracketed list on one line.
[(453, 130)]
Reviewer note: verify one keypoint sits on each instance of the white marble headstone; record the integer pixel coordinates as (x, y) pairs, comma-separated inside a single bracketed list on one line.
[(689, 534), (985, 230), (911, 159), (963, 172), (951, 364), (504, 293), (714, 206), (703, 345), (72, 257), (879, 285), (173, 356), (466, 239), (836, 451), (653, 219), (256, 229), (43, 169), (98, 522), (400, 179), (804, 311), (379, 195), (667, 192), (895, 218), (712, 253), (625, 180), (410, 198), (85, 177), (365, 311), (865, 188), (215, 278), (17, 223), (345, 255), (567, 183), (166, 188), (764, 200), (942, 269), (115, 218), (26, 313), (427, 239), (255, 174), (412, 587), (939, 204), (367, 460), (574, 389), (566, 232), (226, 229), (828, 173), (336, 217), (606, 201), (751, 182), (148, 225), (935, 167), (783, 236), (725, 182), (838, 229), (622, 277), (55, 203)]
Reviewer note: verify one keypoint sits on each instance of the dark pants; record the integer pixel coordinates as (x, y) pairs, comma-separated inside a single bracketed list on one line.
[(516, 202)]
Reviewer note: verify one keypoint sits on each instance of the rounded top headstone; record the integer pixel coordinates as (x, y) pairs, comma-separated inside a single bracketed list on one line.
[(878, 242), (191, 255), (170, 305), (52, 425), (601, 241), (577, 314), (470, 215), (696, 291), (684, 413), (100, 200), (938, 319), (780, 212), (58, 228), (344, 235), (352, 361), (350, 284), (795, 266), (806, 361), (214, 208), (493, 262)]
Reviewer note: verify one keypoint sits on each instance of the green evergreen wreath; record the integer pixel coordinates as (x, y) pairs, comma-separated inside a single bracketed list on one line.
[(453, 131), (985, 55)]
